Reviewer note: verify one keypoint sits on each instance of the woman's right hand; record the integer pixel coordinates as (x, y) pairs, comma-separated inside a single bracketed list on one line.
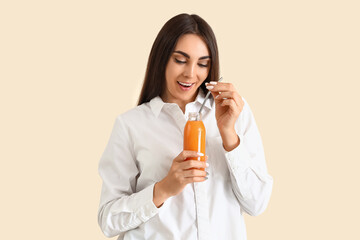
[(179, 175)]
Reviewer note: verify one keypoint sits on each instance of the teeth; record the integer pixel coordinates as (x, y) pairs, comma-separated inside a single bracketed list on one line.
[(185, 84)]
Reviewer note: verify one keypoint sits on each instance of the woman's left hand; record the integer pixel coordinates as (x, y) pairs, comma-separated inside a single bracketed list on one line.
[(229, 105)]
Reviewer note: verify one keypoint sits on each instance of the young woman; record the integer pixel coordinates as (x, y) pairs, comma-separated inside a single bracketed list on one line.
[(149, 189)]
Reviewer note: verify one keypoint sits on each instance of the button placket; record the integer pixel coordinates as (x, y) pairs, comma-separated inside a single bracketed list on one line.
[(201, 203), (202, 211)]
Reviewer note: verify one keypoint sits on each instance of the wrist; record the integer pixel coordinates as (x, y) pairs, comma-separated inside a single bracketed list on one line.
[(159, 196), (226, 129), (230, 139)]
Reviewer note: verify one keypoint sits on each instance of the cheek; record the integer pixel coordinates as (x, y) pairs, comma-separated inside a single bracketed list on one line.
[(171, 71), (203, 73), (168, 73)]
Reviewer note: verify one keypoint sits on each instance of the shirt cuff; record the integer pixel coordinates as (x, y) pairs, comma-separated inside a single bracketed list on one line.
[(140, 204), (238, 158), (144, 206)]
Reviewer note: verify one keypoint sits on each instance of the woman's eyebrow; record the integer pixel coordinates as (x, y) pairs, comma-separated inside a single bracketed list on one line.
[(187, 55)]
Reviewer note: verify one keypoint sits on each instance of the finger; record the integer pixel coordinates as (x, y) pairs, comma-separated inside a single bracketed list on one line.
[(192, 164), (194, 173), (215, 94), (226, 95), (195, 179), (220, 87), (187, 154), (229, 95), (230, 103)]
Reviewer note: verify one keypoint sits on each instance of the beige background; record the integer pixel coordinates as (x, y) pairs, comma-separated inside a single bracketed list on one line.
[(68, 68)]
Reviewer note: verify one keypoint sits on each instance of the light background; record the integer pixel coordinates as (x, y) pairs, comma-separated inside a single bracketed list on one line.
[(68, 68)]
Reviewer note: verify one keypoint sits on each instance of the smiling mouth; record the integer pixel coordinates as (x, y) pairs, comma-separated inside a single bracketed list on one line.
[(186, 85)]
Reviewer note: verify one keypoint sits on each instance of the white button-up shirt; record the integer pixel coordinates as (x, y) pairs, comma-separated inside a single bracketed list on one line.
[(141, 149)]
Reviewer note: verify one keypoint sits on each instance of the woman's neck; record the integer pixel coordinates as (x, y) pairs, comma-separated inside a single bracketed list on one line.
[(179, 102)]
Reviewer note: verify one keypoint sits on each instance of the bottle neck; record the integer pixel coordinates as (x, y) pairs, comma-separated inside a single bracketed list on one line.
[(194, 116)]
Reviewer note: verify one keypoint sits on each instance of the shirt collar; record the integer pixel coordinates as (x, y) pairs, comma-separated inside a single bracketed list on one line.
[(156, 104), (201, 97)]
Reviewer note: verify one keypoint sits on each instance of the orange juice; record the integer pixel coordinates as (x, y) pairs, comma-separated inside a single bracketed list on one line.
[(194, 136)]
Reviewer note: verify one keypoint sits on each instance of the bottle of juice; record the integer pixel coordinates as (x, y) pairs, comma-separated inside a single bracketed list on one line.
[(194, 135)]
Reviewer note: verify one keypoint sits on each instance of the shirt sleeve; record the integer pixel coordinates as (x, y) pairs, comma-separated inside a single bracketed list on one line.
[(250, 180), (121, 208)]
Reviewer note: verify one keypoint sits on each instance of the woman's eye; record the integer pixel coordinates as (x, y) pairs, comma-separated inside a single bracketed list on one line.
[(203, 65), (178, 61)]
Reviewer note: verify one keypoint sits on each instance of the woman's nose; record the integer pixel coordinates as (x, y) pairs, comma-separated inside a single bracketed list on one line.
[(190, 70)]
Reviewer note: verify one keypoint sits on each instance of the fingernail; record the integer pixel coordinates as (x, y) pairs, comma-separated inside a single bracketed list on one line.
[(207, 165), (209, 87), (213, 83), (200, 154), (207, 173), (206, 178), (217, 96)]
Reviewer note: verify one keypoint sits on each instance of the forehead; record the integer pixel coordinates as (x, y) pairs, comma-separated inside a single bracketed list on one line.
[(193, 45)]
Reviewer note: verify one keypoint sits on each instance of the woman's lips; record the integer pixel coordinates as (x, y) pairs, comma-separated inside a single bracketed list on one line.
[(185, 86)]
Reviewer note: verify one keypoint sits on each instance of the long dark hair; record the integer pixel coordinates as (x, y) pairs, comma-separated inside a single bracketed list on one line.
[(165, 42)]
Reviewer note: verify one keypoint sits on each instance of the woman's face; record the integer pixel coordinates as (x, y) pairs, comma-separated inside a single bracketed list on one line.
[(186, 70)]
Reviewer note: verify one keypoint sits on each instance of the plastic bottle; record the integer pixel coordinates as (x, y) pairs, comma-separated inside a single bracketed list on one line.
[(194, 135)]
